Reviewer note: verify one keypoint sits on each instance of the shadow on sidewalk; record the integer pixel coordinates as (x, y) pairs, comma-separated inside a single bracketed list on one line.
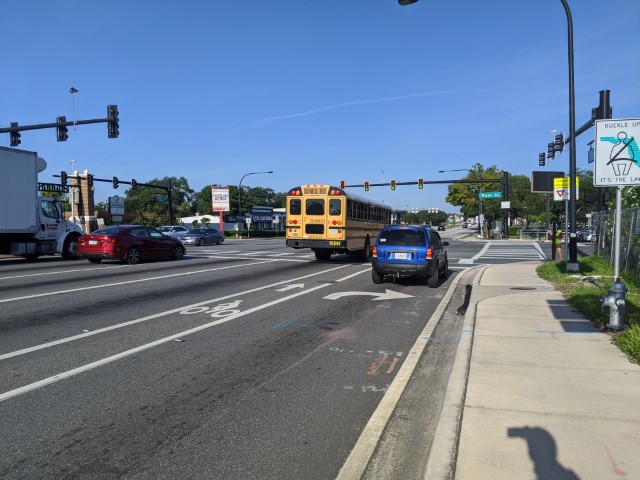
[(543, 453)]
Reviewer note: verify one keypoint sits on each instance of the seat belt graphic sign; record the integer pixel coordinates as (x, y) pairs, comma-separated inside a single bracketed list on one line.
[(617, 153)]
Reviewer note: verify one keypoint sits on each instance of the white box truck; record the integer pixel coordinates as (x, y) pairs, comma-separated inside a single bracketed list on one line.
[(31, 225)]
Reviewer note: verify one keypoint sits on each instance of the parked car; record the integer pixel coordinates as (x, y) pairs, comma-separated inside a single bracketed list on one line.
[(202, 236), (174, 230), (129, 243), (588, 235), (441, 227), (406, 251)]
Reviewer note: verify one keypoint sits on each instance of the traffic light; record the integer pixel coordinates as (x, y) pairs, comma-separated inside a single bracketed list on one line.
[(134, 184), (558, 143), (342, 184), (63, 178), (541, 159), (115, 182), (89, 180), (393, 184), (420, 183), (550, 151), (14, 137), (113, 128), (61, 130), (366, 186)]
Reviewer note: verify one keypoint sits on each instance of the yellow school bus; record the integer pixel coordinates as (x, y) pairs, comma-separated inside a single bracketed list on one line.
[(329, 220)]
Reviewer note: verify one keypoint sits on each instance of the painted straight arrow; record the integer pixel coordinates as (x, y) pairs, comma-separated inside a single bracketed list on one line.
[(290, 287), (388, 295)]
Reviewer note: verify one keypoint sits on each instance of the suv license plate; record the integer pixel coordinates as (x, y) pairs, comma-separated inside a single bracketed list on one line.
[(400, 256)]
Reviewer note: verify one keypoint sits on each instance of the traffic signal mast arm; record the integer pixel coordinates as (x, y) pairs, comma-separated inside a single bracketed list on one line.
[(14, 128), (427, 182), (110, 180)]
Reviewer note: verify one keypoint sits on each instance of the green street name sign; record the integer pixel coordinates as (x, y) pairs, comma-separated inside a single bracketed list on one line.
[(490, 194), (161, 198)]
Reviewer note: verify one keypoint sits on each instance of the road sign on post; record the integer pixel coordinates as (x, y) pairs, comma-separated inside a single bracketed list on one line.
[(561, 190), (617, 153)]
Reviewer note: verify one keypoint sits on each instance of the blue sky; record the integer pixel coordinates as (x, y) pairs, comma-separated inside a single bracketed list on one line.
[(317, 91)]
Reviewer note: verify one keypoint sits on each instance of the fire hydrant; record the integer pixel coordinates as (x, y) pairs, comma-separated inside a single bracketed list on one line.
[(615, 301)]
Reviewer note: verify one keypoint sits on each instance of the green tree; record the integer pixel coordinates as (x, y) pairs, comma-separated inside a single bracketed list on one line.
[(143, 199)]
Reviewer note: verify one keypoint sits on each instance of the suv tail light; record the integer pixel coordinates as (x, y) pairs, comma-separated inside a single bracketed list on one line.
[(374, 252), (429, 253)]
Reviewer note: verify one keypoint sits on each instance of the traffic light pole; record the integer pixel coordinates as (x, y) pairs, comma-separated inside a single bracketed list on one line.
[(112, 131)]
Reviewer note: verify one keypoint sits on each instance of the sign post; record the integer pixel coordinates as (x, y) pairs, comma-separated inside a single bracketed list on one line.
[(616, 164)]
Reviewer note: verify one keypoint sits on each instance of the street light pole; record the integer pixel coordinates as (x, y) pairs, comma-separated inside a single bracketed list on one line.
[(240, 190), (572, 263)]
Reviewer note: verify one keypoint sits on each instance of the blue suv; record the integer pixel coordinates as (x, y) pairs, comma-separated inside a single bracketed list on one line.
[(404, 251)]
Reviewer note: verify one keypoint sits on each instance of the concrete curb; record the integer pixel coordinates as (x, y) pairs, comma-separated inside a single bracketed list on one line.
[(442, 457)]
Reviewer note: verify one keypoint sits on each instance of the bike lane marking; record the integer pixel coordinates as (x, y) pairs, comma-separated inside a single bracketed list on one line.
[(90, 366), (157, 315)]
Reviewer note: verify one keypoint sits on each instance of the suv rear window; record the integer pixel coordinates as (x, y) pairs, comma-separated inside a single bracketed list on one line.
[(402, 238)]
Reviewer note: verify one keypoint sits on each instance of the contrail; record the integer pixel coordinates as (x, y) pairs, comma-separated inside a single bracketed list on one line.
[(314, 111)]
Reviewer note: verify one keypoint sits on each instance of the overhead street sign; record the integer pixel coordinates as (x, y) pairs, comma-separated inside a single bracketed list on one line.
[(617, 153), (490, 194)]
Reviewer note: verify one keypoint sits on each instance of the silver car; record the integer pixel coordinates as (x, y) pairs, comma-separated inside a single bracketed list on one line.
[(175, 231), (202, 236)]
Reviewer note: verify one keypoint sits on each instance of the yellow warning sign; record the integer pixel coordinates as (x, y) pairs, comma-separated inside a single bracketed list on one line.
[(564, 182)]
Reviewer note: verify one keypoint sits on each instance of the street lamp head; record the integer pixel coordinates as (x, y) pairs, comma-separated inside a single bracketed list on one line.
[(406, 2)]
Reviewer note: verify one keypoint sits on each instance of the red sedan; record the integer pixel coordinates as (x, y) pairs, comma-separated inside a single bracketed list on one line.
[(129, 243)]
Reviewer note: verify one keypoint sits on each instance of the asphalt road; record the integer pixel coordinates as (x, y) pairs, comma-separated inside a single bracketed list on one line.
[(245, 360)]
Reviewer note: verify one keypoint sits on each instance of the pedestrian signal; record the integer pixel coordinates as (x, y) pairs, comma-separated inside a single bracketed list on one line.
[(366, 186), (421, 183)]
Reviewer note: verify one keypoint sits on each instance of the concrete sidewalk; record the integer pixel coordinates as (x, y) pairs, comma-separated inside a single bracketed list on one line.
[(547, 396)]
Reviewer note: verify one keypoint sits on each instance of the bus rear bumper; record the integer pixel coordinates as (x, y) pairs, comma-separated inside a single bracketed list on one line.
[(317, 244)]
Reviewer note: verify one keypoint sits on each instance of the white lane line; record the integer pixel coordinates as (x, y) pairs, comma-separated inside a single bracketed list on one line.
[(141, 348), (156, 315), (117, 284), (273, 259), (63, 271)]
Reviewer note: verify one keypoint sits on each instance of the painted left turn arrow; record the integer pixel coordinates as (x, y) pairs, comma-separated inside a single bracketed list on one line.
[(388, 295)]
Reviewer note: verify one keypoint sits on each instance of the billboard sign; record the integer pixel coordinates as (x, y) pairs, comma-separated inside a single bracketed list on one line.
[(219, 199)]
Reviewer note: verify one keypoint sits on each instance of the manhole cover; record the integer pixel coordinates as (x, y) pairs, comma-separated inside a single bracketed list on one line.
[(523, 288)]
